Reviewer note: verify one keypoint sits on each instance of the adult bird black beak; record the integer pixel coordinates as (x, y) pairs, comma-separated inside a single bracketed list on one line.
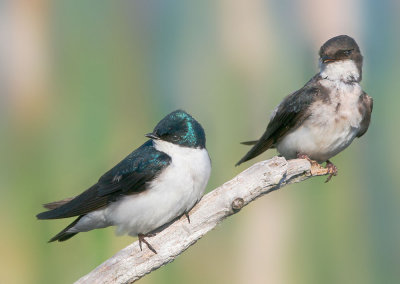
[(152, 136)]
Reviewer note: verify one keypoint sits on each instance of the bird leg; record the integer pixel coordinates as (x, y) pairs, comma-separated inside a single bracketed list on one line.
[(332, 170), (142, 239), (187, 216)]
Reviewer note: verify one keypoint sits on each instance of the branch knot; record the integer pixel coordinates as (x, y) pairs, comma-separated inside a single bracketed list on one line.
[(237, 204)]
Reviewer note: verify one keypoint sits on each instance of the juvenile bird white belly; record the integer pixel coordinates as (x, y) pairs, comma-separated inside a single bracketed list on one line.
[(175, 191), (330, 128)]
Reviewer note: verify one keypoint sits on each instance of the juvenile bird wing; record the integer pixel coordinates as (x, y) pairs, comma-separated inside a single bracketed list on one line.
[(365, 108), (287, 116)]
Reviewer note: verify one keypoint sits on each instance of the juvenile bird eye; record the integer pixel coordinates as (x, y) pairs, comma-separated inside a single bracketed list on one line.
[(347, 52)]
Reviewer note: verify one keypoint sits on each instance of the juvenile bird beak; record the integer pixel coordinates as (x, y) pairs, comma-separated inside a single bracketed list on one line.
[(152, 136), (326, 59)]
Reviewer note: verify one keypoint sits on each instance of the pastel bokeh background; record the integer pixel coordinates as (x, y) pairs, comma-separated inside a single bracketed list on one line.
[(81, 82)]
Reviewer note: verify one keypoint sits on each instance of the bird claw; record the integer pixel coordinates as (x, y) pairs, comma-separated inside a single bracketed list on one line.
[(304, 156), (317, 169), (142, 239), (187, 216), (331, 170)]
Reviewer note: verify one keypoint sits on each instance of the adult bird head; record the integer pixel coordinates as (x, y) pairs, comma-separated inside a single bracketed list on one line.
[(179, 128)]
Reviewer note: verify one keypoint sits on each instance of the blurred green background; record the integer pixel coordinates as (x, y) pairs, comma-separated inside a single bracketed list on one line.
[(81, 82)]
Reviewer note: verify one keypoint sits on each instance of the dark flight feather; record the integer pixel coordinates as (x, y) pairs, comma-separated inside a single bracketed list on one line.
[(249, 142), (64, 235), (56, 204), (127, 177), (289, 115), (365, 108)]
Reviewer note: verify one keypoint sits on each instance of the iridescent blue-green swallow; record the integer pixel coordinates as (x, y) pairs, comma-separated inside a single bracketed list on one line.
[(322, 118), (158, 182)]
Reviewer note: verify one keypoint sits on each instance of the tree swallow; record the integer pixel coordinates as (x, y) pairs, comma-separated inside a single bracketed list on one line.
[(158, 182), (322, 118)]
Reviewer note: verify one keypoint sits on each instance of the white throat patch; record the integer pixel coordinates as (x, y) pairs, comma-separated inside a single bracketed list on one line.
[(345, 70)]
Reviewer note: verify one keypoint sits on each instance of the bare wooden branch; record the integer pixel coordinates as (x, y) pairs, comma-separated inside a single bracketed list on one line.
[(130, 264)]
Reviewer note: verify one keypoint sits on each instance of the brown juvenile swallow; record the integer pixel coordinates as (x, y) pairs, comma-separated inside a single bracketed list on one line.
[(322, 118)]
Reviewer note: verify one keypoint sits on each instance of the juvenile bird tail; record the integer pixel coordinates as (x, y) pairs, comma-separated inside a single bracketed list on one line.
[(260, 146)]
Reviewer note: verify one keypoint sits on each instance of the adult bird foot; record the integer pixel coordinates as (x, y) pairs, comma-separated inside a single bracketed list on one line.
[(142, 239), (332, 170), (187, 216)]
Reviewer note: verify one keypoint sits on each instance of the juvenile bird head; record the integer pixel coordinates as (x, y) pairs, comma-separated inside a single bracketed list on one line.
[(341, 54)]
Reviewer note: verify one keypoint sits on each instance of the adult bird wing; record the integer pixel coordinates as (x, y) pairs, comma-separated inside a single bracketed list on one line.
[(286, 117), (127, 177)]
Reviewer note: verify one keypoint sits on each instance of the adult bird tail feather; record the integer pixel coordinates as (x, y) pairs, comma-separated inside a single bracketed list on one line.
[(56, 204), (80, 205), (64, 235), (249, 142)]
